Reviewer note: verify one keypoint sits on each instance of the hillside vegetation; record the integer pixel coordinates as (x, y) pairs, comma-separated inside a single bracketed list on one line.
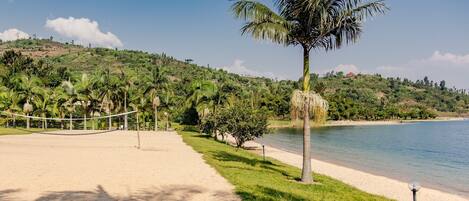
[(119, 78)]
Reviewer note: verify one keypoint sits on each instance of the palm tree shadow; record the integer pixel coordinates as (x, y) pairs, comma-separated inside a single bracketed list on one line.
[(6, 194), (267, 193), (225, 156), (170, 193), (99, 194), (267, 165)]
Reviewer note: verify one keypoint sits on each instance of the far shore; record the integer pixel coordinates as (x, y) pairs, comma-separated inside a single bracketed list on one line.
[(298, 124)]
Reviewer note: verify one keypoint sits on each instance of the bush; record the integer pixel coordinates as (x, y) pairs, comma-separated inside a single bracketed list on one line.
[(243, 122)]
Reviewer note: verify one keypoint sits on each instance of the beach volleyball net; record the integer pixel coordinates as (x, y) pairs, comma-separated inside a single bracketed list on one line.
[(94, 123)]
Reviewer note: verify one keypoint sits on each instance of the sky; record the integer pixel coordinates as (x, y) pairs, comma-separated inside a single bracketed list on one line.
[(414, 39)]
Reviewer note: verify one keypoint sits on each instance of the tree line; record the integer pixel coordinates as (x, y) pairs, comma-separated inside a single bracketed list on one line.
[(115, 81)]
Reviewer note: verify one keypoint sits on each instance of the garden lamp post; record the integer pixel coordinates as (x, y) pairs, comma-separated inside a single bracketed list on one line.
[(414, 187)]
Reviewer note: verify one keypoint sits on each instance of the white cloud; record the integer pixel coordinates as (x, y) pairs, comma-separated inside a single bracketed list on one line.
[(84, 31), (451, 67), (451, 58), (13, 34), (238, 67)]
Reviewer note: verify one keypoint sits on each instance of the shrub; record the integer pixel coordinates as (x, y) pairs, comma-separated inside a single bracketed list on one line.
[(243, 122)]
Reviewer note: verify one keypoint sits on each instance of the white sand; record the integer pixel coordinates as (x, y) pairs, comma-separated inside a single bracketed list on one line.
[(106, 167), (370, 183)]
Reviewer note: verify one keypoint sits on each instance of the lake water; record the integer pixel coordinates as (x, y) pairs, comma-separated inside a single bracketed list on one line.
[(436, 154)]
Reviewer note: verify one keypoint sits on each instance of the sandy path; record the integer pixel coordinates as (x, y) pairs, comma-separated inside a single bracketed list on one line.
[(370, 183), (106, 167)]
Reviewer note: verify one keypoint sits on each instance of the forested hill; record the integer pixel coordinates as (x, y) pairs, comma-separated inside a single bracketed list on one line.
[(186, 90)]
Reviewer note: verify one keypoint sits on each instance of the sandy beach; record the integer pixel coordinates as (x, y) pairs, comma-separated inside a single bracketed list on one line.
[(106, 167), (370, 183)]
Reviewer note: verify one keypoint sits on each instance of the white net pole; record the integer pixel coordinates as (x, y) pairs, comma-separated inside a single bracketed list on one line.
[(138, 132)]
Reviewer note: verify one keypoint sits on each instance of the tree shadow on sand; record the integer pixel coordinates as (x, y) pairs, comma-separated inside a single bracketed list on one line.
[(170, 193), (7, 194)]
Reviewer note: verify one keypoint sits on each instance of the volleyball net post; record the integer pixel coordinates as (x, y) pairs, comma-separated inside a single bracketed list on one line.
[(138, 132)]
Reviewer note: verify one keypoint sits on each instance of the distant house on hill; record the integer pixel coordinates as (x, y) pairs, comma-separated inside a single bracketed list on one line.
[(350, 74)]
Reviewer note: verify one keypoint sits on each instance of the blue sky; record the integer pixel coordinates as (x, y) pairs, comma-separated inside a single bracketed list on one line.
[(416, 38)]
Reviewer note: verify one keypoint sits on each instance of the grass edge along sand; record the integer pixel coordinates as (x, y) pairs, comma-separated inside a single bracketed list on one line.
[(255, 179)]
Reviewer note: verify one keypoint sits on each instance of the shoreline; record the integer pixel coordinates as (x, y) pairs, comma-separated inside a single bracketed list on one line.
[(368, 182), (288, 124)]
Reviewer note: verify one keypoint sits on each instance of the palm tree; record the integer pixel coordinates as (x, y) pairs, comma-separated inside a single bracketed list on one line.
[(72, 97), (109, 86), (41, 100), (26, 85), (138, 101), (107, 104), (155, 103), (60, 98), (27, 108), (203, 94), (126, 82), (10, 99), (156, 84), (84, 88), (319, 24)]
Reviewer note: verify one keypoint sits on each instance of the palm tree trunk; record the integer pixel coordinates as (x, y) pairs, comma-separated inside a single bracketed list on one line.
[(110, 121), (156, 118), (44, 123), (125, 110), (84, 123), (27, 121), (306, 175), (14, 121), (71, 124)]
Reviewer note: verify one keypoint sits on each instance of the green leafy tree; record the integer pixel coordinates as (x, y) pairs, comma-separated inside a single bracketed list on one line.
[(242, 122)]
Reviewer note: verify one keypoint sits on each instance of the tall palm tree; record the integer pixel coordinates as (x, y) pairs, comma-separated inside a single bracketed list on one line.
[(109, 85), (156, 84), (202, 98), (127, 80), (84, 89), (26, 86), (138, 101), (10, 100), (41, 100), (319, 24), (107, 104), (60, 98), (72, 98)]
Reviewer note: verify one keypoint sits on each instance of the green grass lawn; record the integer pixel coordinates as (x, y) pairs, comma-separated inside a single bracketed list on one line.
[(256, 179), (18, 131)]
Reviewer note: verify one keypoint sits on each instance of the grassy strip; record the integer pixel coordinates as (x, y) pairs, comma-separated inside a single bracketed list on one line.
[(256, 179), (18, 131)]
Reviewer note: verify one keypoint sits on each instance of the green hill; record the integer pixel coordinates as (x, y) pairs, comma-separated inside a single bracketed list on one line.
[(185, 90)]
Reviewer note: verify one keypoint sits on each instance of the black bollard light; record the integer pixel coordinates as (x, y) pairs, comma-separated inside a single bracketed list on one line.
[(414, 187), (263, 152)]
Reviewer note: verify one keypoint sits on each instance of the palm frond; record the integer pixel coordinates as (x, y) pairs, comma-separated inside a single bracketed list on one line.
[(318, 106), (262, 22)]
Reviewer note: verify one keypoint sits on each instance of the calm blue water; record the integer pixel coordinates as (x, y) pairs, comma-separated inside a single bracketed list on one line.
[(434, 153)]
